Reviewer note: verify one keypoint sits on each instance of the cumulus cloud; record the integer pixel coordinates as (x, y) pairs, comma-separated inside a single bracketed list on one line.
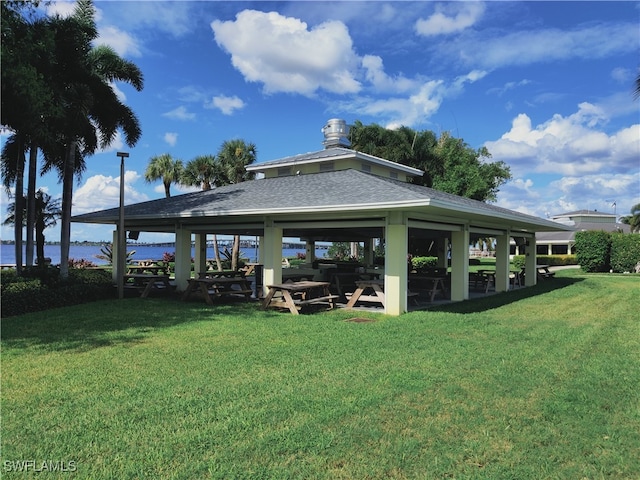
[(100, 192), (450, 18), (571, 145), (226, 105), (171, 138), (285, 55), (179, 113)]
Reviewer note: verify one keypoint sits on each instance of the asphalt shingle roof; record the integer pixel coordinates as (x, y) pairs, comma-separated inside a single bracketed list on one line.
[(329, 191)]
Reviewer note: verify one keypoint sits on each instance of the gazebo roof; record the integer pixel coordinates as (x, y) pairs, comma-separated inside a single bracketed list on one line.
[(321, 196), (331, 154)]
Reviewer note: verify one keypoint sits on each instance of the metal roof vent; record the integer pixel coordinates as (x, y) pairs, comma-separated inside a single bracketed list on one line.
[(335, 134)]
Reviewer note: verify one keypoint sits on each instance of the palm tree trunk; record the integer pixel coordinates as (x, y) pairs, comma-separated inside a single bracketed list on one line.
[(216, 252), (235, 252), (19, 210), (31, 200), (67, 194)]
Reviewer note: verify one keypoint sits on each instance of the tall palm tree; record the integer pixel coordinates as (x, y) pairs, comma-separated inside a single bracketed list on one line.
[(26, 46), (90, 111), (164, 167), (202, 172), (233, 158)]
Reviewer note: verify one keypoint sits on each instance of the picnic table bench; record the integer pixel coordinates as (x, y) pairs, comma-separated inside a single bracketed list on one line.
[(435, 284), (215, 286), (146, 283), (295, 295)]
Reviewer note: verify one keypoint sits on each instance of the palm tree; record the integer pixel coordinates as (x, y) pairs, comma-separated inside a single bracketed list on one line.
[(164, 167), (47, 213), (633, 220), (26, 47), (90, 112), (233, 158), (202, 172)]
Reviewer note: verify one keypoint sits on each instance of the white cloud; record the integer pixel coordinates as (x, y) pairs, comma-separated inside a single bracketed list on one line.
[(100, 192), (226, 105), (171, 138), (180, 113), (381, 82), (450, 18), (489, 50), (285, 55), (122, 42), (572, 145)]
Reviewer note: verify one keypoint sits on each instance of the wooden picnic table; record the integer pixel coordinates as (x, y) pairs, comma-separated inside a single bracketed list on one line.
[(295, 295), (154, 269), (436, 284), (145, 283), (376, 294), (215, 286), (544, 273)]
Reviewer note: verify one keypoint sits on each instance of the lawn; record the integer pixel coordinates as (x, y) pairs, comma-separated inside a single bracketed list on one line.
[(539, 383)]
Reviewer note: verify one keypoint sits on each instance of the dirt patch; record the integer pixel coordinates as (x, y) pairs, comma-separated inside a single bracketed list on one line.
[(359, 320)]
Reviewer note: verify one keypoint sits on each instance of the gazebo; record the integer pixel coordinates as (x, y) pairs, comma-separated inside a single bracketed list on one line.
[(337, 194)]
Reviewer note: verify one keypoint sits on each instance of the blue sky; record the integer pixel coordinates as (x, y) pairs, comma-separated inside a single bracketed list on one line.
[(547, 87)]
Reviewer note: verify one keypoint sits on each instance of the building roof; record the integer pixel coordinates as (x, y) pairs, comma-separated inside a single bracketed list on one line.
[(569, 236), (328, 195), (331, 154)]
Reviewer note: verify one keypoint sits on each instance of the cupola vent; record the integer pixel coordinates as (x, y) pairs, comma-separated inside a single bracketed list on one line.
[(335, 133)]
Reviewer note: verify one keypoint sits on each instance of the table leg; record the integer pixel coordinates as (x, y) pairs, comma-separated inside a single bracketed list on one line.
[(289, 301), (267, 299), (379, 293), (354, 298), (205, 293)]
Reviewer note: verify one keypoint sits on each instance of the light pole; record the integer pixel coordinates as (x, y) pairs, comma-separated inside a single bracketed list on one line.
[(122, 246)]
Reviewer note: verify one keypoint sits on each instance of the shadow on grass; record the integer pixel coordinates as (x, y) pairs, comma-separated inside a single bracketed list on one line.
[(490, 302), (110, 322)]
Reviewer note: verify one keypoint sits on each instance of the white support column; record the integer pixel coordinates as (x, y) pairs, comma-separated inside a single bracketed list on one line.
[(114, 256), (443, 250), (530, 262), (369, 253), (310, 251), (460, 264), (395, 278), (200, 260), (272, 255), (502, 262), (183, 257)]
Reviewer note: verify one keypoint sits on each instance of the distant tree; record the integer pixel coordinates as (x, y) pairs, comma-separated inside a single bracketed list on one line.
[(233, 158), (164, 167), (450, 165), (48, 212), (633, 220), (202, 172)]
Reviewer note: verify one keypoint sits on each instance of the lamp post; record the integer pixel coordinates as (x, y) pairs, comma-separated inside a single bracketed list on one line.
[(122, 246)]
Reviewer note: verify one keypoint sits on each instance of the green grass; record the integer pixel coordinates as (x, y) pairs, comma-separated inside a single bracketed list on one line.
[(538, 383)]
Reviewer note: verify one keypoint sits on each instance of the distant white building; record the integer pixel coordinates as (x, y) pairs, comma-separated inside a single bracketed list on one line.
[(562, 243)]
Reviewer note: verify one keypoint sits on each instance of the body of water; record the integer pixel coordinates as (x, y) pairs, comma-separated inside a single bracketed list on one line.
[(142, 252)]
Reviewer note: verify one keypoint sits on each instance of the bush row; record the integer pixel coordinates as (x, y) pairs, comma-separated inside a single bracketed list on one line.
[(552, 260), (43, 289), (599, 251)]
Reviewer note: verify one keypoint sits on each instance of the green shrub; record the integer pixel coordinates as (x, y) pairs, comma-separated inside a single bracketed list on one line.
[(625, 252), (593, 250), (43, 289), (557, 260), (420, 263)]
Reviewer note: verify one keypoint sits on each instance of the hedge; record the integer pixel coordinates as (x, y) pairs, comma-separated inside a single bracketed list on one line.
[(552, 260), (41, 290), (625, 252), (593, 250)]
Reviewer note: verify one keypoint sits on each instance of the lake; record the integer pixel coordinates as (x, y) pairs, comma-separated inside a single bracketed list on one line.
[(142, 252)]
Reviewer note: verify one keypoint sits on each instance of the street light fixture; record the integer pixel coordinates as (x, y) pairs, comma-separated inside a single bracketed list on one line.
[(122, 246)]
